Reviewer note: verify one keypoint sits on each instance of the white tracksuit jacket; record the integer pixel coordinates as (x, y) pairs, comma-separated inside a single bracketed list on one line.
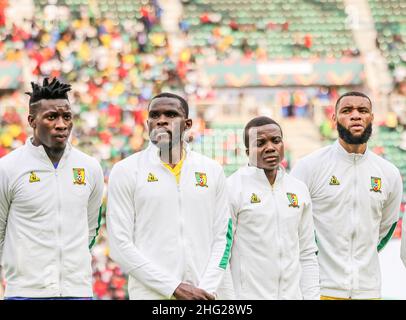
[(403, 241), (273, 254), (47, 222), (163, 233), (356, 200)]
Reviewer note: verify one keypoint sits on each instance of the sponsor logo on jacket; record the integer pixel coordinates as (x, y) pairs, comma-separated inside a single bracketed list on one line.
[(33, 177), (255, 198), (151, 177), (334, 181)]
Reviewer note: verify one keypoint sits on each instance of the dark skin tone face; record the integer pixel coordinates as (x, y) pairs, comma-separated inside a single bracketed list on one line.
[(266, 149), (52, 124), (354, 113), (167, 123)]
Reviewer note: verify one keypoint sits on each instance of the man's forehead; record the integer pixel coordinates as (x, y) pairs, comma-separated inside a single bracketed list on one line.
[(354, 101), (165, 102), (266, 130), (54, 104)]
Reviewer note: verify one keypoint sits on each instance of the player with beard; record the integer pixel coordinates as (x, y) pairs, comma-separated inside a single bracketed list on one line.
[(168, 217), (356, 199)]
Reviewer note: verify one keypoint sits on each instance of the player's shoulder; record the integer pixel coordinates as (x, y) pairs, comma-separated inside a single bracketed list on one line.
[(298, 184), (387, 166), (130, 162), (317, 155), (201, 159), (11, 163), (82, 157)]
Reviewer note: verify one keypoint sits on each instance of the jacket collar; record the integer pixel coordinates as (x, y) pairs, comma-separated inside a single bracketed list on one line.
[(260, 174), (349, 157), (153, 152), (40, 153)]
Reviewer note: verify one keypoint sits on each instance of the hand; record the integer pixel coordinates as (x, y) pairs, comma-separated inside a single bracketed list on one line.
[(188, 292)]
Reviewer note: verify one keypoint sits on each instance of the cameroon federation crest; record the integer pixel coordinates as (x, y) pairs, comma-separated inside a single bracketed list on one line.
[(294, 202), (376, 184), (201, 179), (79, 176)]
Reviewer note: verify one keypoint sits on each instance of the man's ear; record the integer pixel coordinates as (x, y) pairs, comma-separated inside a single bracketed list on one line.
[(31, 121), (188, 124)]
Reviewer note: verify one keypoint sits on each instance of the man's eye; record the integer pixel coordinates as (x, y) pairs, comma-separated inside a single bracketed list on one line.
[(277, 140), (172, 115), (68, 117), (51, 117), (153, 115)]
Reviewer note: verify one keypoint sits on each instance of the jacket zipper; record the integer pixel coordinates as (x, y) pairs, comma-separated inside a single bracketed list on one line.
[(59, 234), (353, 229), (279, 240)]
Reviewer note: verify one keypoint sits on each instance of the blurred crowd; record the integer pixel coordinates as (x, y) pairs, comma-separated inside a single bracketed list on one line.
[(115, 69)]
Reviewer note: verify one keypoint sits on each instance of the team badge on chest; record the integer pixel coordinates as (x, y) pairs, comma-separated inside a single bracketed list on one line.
[(79, 176), (293, 200), (376, 184), (201, 179)]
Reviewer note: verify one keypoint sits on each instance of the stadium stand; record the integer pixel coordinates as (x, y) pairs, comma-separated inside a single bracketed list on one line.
[(283, 29), (391, 33), (117, 56)]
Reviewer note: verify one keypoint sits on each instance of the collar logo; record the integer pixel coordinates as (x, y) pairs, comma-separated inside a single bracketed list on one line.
[(255, 198), (376, 184), (334, 181), (294, 202), (151, 177), (79, 176), (33, 177), (201, 179)]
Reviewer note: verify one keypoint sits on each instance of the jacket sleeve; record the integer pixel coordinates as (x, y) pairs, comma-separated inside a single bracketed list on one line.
[(95, 205), (309, 282), (222, 240), (403, 242), (390, 212), (4, 209), (120, 219)]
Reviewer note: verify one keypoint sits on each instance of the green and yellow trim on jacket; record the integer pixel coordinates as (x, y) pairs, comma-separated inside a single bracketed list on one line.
[(385, 239), (227, 250), (97, 229)]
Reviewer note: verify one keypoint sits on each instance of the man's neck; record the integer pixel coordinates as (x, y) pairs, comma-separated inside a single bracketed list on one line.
[(271, 175), (172, 155), (54, 155), (353, 148)]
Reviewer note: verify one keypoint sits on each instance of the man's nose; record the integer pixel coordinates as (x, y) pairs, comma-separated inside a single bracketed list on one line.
[(60, 124), (270, 147), (162, 120), (355, 115)]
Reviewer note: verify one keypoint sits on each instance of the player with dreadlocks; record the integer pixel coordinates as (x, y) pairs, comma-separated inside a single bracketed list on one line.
[(50, 196)]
